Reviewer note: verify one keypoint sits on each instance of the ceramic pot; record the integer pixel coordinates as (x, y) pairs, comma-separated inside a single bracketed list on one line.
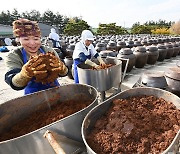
[(153, 54), (170, 50), (127, 53), (111, 46), (141, 56), (173, 80), (59, 52), (106, 53), (100, 47), (176, 49), (69, 50), (120, 45), (162, 52), (68, 62), (154, 79)]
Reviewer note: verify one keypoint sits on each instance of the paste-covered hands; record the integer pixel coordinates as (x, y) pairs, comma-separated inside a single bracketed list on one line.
[(36, 67), (32, 68), (102, 63), (57, 65)]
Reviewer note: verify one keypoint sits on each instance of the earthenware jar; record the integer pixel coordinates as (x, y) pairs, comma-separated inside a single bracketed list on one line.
[(153, 54), (60, 53), (127, 53), (154, 79), (111, 46), (69, 50), (106, 53), (120, 45), (68, 62), (170, 50), (100, 47), (137, 43), (141, 56), (173, 80), (129, 44), (144, 42), (162, 52), (176, 49)]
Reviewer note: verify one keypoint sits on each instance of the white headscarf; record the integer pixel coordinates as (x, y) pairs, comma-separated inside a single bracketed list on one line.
[(53, 30), (86, 35)]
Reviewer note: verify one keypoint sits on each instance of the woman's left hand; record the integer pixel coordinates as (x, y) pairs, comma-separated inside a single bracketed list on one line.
[(57, 65)]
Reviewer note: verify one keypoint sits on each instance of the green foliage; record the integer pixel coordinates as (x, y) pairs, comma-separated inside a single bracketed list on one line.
[(75, 27), (110, 29), (162, 31), (151, 26), (48, 17), (140, 29)]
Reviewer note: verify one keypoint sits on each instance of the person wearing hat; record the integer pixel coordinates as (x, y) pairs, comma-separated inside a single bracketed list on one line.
[(21, 68), (84, 51), (55, 39)]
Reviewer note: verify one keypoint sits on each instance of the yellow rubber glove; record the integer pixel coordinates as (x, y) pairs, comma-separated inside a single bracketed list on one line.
[(90, 63), (102, 63), (31, 68)]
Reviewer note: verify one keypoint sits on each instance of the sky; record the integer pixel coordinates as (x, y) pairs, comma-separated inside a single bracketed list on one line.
[(122, 12)]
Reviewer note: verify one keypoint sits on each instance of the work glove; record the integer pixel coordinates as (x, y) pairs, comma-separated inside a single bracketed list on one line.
[(31, 68), (90, 63), (57, 65), (102, 63)]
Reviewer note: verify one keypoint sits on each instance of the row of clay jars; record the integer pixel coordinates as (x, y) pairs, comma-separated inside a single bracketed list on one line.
[(140, 57)]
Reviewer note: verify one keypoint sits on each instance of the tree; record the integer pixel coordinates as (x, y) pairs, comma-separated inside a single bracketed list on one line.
[(175, 28), (48, 17), (160, 31), (15, 14), (6, 18), (110, 29), (75, 28), (140, 29)]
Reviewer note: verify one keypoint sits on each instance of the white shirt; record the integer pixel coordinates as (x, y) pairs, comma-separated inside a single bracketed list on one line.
[(53, 35), (80, 47)]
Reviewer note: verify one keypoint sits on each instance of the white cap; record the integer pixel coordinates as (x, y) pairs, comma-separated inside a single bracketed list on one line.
[(87, 35)]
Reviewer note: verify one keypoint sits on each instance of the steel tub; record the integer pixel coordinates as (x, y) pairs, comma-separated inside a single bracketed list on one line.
[(102, 108), (103, 79), (34, 143)]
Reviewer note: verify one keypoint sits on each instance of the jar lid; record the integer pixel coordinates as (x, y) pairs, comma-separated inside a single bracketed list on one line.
[(125, 51), (173, 72), (154, 79), (151, 48), (169, 45), (140, 49), (160, 46)]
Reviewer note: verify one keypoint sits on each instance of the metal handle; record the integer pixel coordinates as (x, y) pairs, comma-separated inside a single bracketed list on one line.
[(64, 145), (55, 145), (125, 69)]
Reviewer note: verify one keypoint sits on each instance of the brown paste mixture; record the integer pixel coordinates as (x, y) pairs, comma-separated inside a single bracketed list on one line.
[(50, 76), (103, 67), (143, 124), (42, 118)]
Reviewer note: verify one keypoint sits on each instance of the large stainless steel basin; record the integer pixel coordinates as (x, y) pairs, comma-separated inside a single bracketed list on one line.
[(103, 79), (98, 111), (34, 143)]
